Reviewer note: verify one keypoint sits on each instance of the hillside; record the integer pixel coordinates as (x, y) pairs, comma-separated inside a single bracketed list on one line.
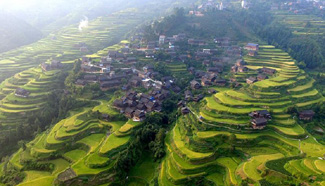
[(156, 95), (15, 32), (197, 147)]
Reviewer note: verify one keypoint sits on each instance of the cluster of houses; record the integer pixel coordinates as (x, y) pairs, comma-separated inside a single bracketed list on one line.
[(208, 6), (53, 65), (263, 74), (106, 81), (104, 65), (260, 118), (300, 6), (240, 66), (136, 105)]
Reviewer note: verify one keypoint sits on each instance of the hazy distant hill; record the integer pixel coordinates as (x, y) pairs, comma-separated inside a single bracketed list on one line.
[(15, 32), (52, 15)]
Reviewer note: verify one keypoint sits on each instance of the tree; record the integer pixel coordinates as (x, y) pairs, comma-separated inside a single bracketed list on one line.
[(22, 144)]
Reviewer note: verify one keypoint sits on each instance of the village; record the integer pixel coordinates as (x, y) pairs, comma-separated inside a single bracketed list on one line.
[(146, 89), (209, 92)]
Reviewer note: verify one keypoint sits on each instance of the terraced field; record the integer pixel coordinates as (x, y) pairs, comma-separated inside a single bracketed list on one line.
[(78, 146), (202, 143), (297, 22), (93, 146), (14, 109), (65, 44)]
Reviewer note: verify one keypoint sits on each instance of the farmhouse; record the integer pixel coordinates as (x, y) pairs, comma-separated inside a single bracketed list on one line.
[(135, 82), (252, 46), (208, 79), (185, 110), (222, 41), (20, 92), (198, 98), (306, 115), (131, 59), (148, 68), (199, 74), (90, 77), (262, 77), (212, 91), (139, 115), (181, 103), (265, 70), (80, 82), (251, 80), (240, 63), (141, 106), (221, 82), (152, 106), (53, 65), (151, 45), (86, 68), (215, 69), (242, 69), (105, 117), (162, 39), (196, 42), (129, 112), (252, 53), (188, 95), (195, 85), (106, 85), (259, 123), (260, 114)]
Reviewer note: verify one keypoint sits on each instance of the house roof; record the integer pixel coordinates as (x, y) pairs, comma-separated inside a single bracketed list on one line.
[(263, 112), (150, 105), (187, 92), (129, 110), (185, 109), (139, 113), (251, 79), (252, 44), (260, 121), (307, 112), (193, 83), (262, 76), (21, 91)]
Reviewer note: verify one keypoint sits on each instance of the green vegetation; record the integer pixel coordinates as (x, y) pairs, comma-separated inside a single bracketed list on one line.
[(215, 143)]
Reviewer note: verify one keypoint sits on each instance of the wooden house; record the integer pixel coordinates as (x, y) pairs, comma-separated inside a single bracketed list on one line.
[(306, 115), (20, 92), (242, 69), (195, 85), (129, 112), (259, 123), (240, 63), (139, 115), (252, 46), (252, 53), (221, 82), (188, 95), (265, 70), (185, 110), (251, 80), (262, 77), (260, 114)]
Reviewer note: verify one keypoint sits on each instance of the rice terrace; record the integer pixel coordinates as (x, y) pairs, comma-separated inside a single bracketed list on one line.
[(162, 93)]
